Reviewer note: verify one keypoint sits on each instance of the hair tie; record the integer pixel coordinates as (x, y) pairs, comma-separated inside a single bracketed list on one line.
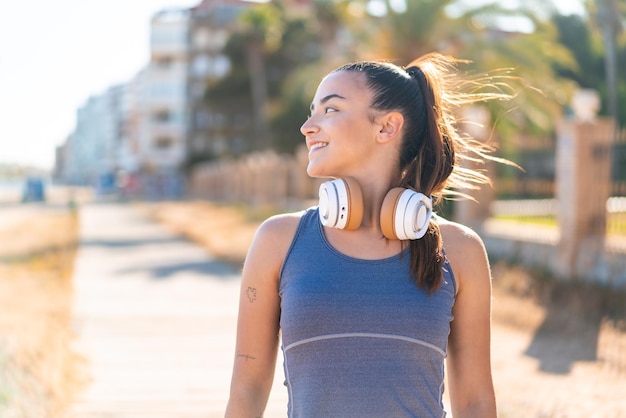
[(419, 77), (416, 73)]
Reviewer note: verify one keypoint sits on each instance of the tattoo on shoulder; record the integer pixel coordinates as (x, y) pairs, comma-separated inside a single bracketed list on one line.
[(251, 292), (246, 356)]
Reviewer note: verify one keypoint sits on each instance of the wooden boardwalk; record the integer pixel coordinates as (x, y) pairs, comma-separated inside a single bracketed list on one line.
[(155, 319)]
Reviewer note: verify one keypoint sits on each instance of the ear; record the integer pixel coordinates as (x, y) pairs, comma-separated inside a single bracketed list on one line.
[(390, 126)]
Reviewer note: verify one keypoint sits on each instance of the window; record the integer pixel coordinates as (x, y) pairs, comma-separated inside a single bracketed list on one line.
[(201, 38), (202, 119), (168, 90), (163, 142), (197, 90), (162, 116), (201, 65), (198, 143), (221, 66), (168, 35), (163, 63)]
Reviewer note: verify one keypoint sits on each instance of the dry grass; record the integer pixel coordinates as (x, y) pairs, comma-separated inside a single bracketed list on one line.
[(38, 370)]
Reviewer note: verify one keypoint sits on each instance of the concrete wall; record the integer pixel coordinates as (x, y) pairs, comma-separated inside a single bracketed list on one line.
[(538, 247)]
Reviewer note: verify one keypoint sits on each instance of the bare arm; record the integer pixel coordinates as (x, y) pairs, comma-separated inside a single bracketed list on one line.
[(258, 321), (469, 356)]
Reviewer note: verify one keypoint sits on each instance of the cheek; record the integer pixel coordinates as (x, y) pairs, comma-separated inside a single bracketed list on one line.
[(358, 131), (343, 127)]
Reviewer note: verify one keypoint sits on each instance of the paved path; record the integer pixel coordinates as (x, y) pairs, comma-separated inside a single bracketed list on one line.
[(155, 317)]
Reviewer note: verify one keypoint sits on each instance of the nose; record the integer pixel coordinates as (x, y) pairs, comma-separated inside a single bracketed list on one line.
[(309, 127)]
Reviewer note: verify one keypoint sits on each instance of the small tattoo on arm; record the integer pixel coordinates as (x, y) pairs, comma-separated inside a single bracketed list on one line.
[(251, 292), (246, 356)]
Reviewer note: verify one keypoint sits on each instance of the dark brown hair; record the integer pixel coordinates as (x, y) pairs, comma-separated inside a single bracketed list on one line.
[(427, 93)]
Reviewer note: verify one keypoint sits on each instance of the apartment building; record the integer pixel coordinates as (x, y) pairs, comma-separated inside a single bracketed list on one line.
[(91, 150), (162, 95), (210, 24)]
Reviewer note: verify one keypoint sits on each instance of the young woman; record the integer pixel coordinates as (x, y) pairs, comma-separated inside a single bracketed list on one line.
[(369, 291)]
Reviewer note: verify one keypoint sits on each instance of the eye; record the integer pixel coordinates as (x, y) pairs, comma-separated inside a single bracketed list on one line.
[(330, 110)]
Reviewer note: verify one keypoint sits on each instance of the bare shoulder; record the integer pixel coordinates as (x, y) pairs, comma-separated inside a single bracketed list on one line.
[(458, 237), (271, 242), (465, 250), (279, 228)]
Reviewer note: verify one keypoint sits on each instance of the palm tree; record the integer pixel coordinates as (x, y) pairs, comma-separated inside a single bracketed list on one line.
[(262, 29), (519, 41), (609, 21)]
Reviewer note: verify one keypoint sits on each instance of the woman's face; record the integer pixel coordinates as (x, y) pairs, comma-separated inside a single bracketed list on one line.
[(340, 133)]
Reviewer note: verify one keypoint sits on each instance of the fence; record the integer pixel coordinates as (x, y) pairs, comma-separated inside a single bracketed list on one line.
[(264, 179), (538, 160), (536, 185)]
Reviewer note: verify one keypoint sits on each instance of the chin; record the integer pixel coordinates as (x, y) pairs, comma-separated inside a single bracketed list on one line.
[(312, 170), (320, 171), (317, 173)]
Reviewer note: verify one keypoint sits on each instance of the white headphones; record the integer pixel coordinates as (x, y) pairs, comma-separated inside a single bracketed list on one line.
[(405, 213)]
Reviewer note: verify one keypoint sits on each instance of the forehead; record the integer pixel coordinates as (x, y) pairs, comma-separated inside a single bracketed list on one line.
[(347, 84)]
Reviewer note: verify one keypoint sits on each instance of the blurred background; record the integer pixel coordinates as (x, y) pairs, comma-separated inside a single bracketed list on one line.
[(180, 109)]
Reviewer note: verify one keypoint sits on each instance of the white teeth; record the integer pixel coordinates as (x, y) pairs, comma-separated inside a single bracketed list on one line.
[(318, 145)]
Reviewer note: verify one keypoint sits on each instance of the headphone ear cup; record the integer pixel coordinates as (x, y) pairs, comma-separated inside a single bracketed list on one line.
[(405, 214), (341, 204), (388, 213), (355, 204)]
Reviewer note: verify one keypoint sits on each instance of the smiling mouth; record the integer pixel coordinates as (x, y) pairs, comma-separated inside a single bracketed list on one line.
[(318, 145)]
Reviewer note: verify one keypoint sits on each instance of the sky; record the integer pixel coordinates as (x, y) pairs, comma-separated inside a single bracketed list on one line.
[(54, 55)]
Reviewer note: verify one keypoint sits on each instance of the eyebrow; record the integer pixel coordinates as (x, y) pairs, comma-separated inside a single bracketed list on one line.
[(327, 98)]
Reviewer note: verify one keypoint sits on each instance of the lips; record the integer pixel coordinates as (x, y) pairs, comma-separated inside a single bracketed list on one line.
[(317, 145)]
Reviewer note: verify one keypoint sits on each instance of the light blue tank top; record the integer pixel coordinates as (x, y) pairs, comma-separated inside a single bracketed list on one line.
[(359, 338)]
